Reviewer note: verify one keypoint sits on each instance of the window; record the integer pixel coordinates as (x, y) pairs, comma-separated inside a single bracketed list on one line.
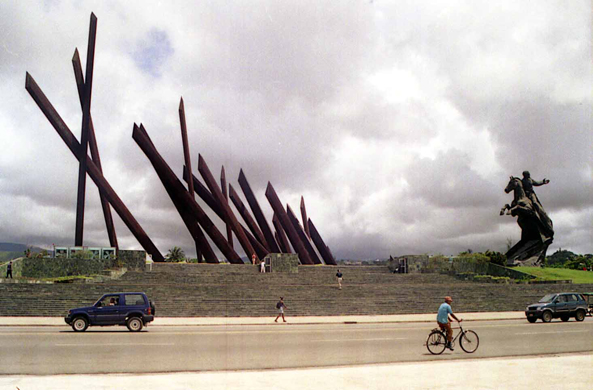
[(109, 300), (134, 299)]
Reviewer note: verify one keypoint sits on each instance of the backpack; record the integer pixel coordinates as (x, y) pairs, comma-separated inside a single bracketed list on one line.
[(278, 305)]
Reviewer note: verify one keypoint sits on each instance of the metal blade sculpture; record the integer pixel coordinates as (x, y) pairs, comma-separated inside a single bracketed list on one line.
[(84, 138), (202, 245), (301, 233), (323, 249), (60, 126), (76, 64), (251, 224), (229, 217), (298, 246), (261, 242), (258, 214), (223, 186), (172, 183), (281, 235), (304, 218)]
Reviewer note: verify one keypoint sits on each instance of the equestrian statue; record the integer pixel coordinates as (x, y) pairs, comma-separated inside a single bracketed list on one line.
[(537, 230)]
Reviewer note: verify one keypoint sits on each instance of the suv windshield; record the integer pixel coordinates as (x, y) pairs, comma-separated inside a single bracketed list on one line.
[(547, 299)]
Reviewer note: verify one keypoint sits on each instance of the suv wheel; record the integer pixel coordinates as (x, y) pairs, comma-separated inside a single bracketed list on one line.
[(547, 316), (531, 319), (80, 324), (134, 324), (580, 316)]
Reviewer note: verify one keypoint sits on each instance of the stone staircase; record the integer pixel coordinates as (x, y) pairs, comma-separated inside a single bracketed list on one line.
[(219, 290)]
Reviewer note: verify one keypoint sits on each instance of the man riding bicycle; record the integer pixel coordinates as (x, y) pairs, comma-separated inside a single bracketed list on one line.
[(444, 321)]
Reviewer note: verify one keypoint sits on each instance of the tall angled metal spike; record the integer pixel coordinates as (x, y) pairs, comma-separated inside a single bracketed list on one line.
[(304, 218), (84, 138), (76, 64), (281, 235), (301, 233), (223, 186), (258, 214), (186, 155), (251, 224), (294, 238), (229, 217), (323, 249)]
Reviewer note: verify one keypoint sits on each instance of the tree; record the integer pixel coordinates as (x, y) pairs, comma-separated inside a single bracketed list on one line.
[(175, 255), (559, 258), (496, 257)]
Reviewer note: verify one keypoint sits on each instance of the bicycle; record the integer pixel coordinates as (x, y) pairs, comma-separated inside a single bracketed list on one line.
[(437, 341)]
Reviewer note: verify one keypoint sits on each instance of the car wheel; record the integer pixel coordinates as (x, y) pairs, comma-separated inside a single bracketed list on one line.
[(134, 324), (547, 316), (531, 319), (580, 316), (80, 324), (565, 318)]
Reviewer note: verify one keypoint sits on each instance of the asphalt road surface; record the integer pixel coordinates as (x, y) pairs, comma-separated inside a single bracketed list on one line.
[(59, 350)]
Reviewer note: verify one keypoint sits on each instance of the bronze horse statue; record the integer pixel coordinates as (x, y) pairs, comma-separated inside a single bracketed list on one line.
[(536, 228)]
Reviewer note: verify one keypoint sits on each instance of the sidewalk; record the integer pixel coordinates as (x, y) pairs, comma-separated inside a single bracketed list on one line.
[(543, 373), (196, 321)]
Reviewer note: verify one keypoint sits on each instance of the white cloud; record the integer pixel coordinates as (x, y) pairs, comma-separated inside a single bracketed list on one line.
[(398, 122)]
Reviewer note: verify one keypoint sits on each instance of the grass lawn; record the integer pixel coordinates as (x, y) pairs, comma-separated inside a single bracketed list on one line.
[(576, 276)]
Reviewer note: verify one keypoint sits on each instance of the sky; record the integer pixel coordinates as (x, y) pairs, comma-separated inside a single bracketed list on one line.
[(398, 122)]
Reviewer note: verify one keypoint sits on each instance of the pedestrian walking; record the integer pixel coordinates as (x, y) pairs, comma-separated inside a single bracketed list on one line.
[(281, 306), (339, 277), (9, 270)]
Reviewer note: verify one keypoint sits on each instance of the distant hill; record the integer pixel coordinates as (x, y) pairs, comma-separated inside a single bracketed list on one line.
[(12, 247), (10, 250)]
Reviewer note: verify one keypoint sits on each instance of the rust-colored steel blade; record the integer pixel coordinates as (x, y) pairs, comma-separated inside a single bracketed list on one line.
[(251, 224), (258, 214), (84, 138), (301, 233), (171, 181), (76, 64), (186, 157), (281, 235), (304, 218), (64, 132), (294, 238), (223, 186), (229, 217), (323, 249)]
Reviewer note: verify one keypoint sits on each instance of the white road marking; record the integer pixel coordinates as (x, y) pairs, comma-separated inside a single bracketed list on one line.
[(114, 345), (561, 331), (375, 339)]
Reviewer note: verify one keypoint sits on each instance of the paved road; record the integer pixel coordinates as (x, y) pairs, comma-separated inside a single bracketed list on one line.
[(58, 350)]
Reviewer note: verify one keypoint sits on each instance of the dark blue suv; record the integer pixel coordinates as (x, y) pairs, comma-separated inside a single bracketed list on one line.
[(132, 309), (561, 305)]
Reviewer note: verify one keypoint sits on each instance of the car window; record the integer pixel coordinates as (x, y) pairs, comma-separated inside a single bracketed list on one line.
[(109, 300), (134, 299), (547, 299), (561, 298), (573, 298)]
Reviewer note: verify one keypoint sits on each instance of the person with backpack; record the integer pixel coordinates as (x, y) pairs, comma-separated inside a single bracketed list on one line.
[(339, 277), (280, 306)]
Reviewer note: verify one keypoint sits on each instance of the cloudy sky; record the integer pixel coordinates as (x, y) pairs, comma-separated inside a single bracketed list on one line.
[(399, 122)]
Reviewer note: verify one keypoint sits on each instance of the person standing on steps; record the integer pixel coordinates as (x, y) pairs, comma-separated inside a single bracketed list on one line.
[(339, 277), (9, 270), (262, 266), (281, 306), (444, 321)]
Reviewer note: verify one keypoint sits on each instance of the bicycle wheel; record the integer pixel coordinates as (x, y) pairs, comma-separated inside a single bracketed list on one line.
[(436, 342), (469, 341)]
